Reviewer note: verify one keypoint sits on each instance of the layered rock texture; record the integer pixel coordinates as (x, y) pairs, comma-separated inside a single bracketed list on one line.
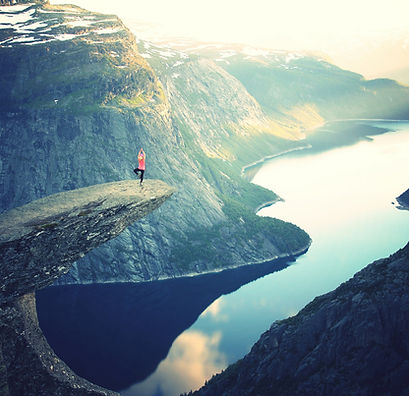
[(351, 341), (38, 243)]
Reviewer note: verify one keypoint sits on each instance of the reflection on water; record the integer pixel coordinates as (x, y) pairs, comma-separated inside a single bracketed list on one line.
[(343, 199), (194, 357), (132, 334), (116, 334)]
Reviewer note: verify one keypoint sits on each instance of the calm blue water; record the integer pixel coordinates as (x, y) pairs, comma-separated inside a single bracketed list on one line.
[(168, 337)]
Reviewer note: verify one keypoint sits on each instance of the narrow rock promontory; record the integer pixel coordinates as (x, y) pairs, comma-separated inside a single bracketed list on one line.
[(351, 341), (38, 243)]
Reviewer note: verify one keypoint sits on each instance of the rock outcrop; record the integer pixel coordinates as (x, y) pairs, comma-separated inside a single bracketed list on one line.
[(351, 341), (403, 200), (28, 366), (38, 243)]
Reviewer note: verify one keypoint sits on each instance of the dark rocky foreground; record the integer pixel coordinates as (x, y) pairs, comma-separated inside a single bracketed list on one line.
[(38, 243), (351, 341)]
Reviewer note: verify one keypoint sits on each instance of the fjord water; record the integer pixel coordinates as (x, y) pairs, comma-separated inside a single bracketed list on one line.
[(133, 337)]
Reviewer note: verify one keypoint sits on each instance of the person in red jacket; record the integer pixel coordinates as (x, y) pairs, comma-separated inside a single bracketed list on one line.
[(141, 164)]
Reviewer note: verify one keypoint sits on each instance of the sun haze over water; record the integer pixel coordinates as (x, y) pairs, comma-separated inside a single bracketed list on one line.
[(366, 36)]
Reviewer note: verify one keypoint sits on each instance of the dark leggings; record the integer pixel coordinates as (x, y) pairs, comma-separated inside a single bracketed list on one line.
[(139, 170)]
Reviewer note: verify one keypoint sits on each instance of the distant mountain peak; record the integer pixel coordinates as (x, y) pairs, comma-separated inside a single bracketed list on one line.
[(40, 23)]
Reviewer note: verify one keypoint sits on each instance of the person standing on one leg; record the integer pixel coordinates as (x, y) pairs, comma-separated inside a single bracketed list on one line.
[(141, 164)]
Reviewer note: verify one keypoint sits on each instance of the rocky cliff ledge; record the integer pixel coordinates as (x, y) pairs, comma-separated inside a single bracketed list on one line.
[(351, 341), (38, 243)]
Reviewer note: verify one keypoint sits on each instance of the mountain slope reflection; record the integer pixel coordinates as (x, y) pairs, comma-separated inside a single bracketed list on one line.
[(115, 335), (193, 358)]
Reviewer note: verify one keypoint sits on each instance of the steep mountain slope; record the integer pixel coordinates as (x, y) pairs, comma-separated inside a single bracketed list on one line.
[(79, 101), (247, 103), (349, 341), (214, 105), (284, 82)]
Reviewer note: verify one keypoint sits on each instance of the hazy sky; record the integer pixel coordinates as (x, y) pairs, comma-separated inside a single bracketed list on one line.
[(367, 36)]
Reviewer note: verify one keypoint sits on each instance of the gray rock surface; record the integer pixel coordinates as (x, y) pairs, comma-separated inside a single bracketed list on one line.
[(40, 241), (351, 341), (28, 366)]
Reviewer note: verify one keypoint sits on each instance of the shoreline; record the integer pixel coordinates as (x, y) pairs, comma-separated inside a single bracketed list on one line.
[(308, 146), (268, 203), (269, 157), (291, 256)]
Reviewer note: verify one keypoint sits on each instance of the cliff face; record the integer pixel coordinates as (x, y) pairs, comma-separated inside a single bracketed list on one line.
[(38, 243), (79, 102), (79, 99), (285, 92), (349, 341)]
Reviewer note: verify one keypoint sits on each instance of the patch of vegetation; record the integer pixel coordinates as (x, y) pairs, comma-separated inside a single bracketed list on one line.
[(136, 101), (240, 200), (226, 178), (242, 224)]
